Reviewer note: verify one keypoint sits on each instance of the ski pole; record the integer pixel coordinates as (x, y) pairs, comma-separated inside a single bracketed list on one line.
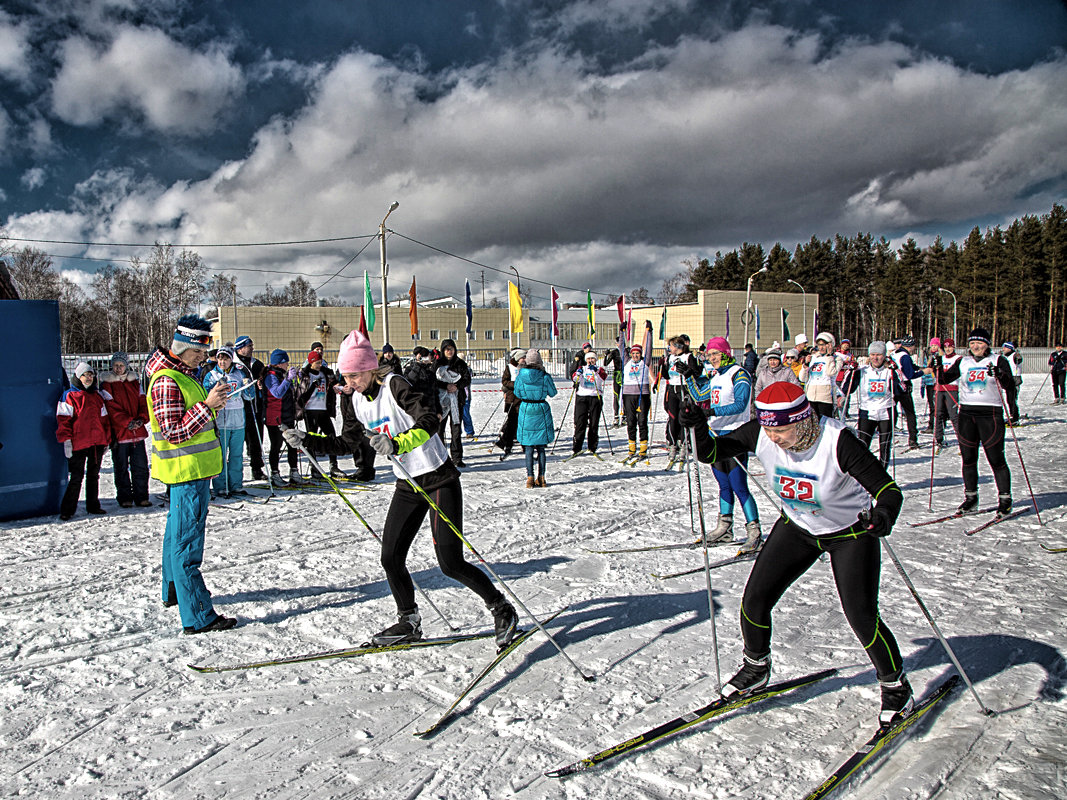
[(944, 642), (562, 420), (1022, 464), (1039, 388), (486, 425), (707, 562), (444, 518), (604, 418), (933, 450), (339, 493)]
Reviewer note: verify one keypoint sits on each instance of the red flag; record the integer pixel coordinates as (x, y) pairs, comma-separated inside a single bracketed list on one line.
[(363, 323), (621, 306), (555, 313)]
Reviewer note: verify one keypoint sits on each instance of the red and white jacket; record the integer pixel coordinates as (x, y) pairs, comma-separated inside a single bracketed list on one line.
[(81, 418), (126, 403)]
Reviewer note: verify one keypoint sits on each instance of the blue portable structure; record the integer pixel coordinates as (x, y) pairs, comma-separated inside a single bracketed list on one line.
[(33, 471)]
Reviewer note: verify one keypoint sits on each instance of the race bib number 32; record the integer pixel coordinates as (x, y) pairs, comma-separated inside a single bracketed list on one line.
[(799, 491)]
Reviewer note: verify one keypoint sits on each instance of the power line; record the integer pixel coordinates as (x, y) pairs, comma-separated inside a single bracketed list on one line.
[(190, 246)]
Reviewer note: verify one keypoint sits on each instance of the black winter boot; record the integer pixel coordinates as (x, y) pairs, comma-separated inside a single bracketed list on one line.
[(755, 673), (505, 621), (1003, 505), (969, 504), (897, 700), (408, 628)]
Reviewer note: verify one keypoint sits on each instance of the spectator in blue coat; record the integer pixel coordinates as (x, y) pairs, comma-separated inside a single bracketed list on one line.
[(533, 386)]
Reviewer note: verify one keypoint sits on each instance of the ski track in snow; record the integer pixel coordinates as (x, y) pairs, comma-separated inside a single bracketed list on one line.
[(97, 701)]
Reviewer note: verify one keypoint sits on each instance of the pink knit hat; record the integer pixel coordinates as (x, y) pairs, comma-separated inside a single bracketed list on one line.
[(720, 344), (356, 355)]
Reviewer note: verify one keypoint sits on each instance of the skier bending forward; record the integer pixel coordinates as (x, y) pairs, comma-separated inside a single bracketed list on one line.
[(385, 408), (826, 480)]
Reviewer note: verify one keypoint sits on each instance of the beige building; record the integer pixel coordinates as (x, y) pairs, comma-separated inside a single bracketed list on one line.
[(294, 328)]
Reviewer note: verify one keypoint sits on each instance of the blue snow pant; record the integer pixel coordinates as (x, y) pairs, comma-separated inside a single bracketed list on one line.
[(231, 478), (733, 482), (183, 550), (468, 423)]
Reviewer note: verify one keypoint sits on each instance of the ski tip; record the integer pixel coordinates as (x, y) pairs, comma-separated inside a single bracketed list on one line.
[(200, 669), (589, 678)]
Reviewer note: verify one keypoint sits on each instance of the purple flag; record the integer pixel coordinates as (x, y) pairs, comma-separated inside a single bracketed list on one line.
[(727, 321)]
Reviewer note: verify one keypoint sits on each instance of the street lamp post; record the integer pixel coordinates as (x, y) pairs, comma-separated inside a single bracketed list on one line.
[(748, 301), (803, 322), (385, 272), (946, 291)]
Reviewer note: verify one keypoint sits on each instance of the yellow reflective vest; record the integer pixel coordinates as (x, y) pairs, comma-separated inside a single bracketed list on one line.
[(193, 459)]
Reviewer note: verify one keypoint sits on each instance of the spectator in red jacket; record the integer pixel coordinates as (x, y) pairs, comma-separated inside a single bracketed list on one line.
[(128, 412), (83, 429)]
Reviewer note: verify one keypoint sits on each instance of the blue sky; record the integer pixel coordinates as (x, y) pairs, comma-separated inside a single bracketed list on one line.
[(584, 143)]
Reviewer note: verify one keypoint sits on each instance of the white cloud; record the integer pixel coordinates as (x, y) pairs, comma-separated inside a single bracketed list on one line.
[(33, 178), (14, 49), (541, 162), (172, 88)]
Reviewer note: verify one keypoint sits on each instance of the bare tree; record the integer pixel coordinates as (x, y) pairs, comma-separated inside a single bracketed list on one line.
[(641, 296), (220, 290), (34, 274)]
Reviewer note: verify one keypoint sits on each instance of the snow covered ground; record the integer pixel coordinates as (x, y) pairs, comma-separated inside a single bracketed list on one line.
[(97, 700)]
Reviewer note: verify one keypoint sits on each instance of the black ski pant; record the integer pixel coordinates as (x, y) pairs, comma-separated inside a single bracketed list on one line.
[(1059, 379), (254, 436), (403, 520), (983, 424), (866, 428), (455, 430), (672, 404), (635, 407), (823, 409), (587, 416), (129, 465), (274, 432), (856, 561), (928, 394), (506, 440), (1011, 396), (946, 406), (616, 385), (319, 421), (84, 465), (906, 402)]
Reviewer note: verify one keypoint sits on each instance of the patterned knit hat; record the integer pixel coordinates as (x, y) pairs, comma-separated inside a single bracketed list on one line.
[(979, 335), (120, 356), (191, 333), (782, 404)]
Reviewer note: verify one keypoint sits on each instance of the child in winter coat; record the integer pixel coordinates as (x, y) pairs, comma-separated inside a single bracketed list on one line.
[(230, 422), (127, 410), (279, 387), (83, 429), (535, 429)]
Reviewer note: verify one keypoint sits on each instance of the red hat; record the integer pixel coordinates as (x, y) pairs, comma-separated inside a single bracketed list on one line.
[(636, 347), (314, 355), (781, 404), (948, 342)]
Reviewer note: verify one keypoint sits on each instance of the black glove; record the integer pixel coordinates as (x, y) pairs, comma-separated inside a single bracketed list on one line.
[(686, 370), (877, 522), (692, 417), (935, 362)]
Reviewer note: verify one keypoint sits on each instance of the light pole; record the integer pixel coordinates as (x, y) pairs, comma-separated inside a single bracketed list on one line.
[(385, 291), (803, 322), (946, 291), (748, 302)]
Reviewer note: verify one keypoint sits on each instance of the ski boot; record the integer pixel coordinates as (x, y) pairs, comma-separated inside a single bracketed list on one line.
[(724, 531), (642, 451), (755, 673), (276, 479), (294, 478), (1003, 505), (672, 455), (505, 621), (337, 472), (969, 504), (754, 540), (897, 700), (408, 628), (631, 454)]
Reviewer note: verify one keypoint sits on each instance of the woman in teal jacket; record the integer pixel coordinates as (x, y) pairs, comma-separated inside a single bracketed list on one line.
[(532, 386)]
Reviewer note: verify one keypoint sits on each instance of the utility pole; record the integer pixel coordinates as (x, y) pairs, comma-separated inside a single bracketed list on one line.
[(483, 288), (234, 310)]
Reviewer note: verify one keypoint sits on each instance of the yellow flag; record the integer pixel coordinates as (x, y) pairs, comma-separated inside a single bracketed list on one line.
[(515, 306)]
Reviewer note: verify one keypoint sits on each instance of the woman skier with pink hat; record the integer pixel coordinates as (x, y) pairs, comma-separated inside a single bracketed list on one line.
[(386, 410)]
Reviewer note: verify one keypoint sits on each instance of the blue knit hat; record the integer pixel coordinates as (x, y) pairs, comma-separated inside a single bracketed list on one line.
[(278, 356), (191, 333), (241, 342)]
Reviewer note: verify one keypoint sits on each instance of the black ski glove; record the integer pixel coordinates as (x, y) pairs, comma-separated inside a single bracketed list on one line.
[(877, 521), (686, 370), (692, 417)]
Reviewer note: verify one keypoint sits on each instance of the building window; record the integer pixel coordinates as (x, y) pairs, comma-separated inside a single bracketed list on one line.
[(488, 336), (474, 336), (453, 335), (433, 335), (505, 334)]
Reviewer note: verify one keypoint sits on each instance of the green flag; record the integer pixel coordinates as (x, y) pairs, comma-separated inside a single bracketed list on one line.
[(663, 325), (368, 302), (592, 318)]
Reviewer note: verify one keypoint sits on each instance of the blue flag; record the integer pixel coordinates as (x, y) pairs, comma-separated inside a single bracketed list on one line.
[(470, 313), (757, 323)]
